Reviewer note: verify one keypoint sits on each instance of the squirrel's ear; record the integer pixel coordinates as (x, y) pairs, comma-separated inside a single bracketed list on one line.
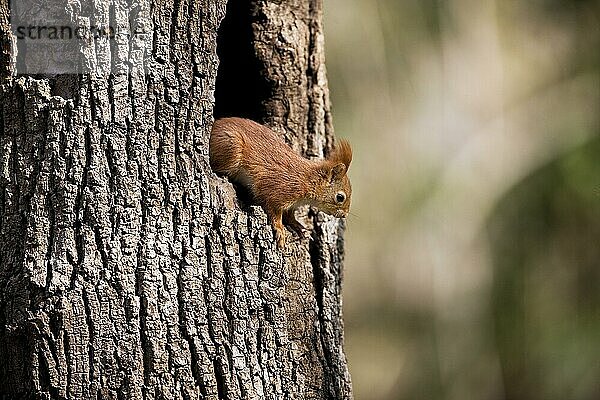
[(342, 153), (338, 171)]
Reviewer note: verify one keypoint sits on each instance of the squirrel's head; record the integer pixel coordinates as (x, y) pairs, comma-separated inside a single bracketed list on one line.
[(336, 191)]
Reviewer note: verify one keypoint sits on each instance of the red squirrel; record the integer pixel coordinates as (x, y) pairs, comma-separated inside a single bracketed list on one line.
[(280, 180)]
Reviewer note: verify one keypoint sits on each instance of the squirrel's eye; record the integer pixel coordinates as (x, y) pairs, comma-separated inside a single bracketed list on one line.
[(340, 197)]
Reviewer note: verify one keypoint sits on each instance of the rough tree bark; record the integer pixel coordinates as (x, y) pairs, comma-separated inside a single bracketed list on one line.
[(127, 268)]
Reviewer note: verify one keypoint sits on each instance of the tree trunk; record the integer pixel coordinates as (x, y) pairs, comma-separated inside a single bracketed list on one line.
[(127, 268)]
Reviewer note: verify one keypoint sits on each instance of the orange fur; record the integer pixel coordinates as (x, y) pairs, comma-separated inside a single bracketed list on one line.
[(342, 153), (280, 180)]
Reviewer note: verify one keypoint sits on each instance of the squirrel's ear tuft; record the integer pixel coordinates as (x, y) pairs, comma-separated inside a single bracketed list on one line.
[(337, 172), (342, 153)]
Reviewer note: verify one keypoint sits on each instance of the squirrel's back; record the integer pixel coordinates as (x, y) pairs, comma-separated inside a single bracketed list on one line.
[(226, 146), (255, 156), (237, 143)]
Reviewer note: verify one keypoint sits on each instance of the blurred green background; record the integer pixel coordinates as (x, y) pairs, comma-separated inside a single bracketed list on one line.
[(473, 260)]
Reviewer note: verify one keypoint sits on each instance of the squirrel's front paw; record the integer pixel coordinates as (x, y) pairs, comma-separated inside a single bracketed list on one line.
[(297, 228), (289, 219), (280, 236)]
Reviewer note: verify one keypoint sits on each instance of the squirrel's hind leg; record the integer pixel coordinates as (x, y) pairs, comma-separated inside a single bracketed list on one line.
[(276, 220)]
